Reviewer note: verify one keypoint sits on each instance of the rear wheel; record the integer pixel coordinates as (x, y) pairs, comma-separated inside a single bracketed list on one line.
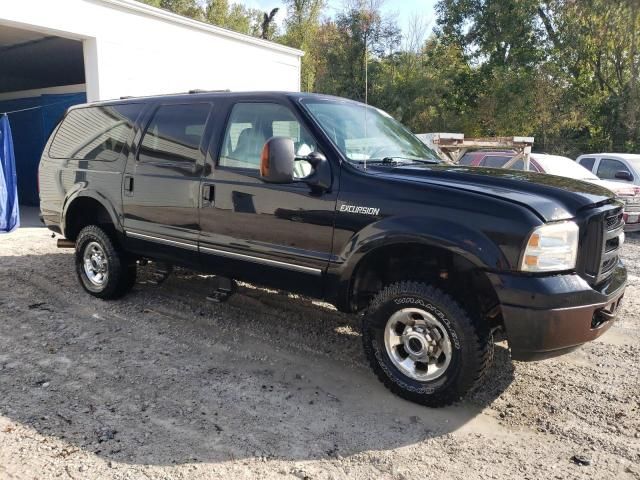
[(104, 270), (423, 345)]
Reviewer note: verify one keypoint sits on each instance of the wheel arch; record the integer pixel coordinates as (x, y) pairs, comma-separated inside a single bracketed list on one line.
[(385, 257), (85, 208)]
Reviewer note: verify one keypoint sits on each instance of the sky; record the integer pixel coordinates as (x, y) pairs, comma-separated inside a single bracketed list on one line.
[(403, 9)]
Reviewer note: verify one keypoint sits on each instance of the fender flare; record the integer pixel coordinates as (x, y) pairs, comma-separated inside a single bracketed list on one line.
[(98, 197), (456, 238)]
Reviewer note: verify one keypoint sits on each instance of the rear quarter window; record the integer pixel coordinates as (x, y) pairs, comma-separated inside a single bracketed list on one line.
[(587, 163), (94, 133)]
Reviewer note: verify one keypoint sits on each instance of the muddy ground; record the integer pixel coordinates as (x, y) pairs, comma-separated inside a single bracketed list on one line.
[(164, 385)]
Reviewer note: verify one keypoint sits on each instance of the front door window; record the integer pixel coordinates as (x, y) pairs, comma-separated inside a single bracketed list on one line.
[(609, 167), (249, 128)]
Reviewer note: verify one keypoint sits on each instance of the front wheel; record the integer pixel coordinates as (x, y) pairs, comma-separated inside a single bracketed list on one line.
[(104, 270), (422, 344)]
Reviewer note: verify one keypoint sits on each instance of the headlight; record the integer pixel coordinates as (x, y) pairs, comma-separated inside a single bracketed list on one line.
[(551, 248)]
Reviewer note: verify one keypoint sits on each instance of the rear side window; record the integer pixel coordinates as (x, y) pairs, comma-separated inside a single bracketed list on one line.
[(95, 133), (587, 163), (174, 134)]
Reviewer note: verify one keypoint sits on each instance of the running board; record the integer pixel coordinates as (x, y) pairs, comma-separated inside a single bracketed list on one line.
[(224, 288)]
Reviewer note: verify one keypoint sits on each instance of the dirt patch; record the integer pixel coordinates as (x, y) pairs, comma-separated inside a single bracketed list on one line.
[(165, 385)]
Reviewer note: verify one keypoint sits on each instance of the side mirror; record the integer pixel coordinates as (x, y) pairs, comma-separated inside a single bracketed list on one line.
[(623, 175), (276, 162), (320, 179)]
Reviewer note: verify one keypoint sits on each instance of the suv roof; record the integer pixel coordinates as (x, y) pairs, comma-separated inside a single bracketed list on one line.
[(626, 156), (203, 95)]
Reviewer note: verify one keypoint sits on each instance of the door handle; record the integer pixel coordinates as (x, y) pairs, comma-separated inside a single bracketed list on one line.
[(128, 185), (208, 195)]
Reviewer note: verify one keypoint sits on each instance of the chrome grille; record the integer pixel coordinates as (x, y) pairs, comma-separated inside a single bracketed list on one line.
[(613, 227), (599, 253), (614, 221)]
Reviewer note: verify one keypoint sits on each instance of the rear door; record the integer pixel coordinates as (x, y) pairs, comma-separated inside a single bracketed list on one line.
[(162, 181)]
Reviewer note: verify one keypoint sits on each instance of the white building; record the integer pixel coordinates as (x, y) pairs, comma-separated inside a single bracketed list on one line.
[(114, 48), (54, 53)]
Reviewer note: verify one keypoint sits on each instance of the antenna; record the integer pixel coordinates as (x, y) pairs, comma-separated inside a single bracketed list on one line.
[(366, 88)]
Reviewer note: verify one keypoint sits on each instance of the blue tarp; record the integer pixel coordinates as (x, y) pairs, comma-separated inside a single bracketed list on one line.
[(32, 120), (9, 210)]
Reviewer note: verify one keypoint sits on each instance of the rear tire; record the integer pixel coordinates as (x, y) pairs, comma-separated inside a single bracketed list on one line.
[(103, 268), (423, 346)]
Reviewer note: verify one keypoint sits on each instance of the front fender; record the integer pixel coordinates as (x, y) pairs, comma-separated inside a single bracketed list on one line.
[(469, 243)]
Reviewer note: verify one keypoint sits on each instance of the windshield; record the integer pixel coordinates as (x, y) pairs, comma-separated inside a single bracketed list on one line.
[(563, 167), (366, 134)]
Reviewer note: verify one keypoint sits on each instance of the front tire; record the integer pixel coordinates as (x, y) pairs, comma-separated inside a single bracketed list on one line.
[(423, 345), (104, 270)]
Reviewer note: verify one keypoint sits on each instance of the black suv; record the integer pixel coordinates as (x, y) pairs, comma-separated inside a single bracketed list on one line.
[(335, 199)]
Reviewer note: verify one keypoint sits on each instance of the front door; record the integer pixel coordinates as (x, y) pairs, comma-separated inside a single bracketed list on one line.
[(271, 234), (162, 181)]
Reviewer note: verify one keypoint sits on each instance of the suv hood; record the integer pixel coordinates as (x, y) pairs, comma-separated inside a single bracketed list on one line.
[(551, 197)]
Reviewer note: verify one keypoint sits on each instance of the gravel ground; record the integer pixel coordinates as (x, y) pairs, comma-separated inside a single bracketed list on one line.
[(164, 385)]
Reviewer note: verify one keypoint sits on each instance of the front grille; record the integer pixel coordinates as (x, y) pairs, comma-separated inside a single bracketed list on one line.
[(602, 244), (614, 221)]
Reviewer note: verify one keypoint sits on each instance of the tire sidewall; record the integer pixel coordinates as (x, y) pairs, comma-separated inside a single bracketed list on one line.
[(84, 239), (376, 324)]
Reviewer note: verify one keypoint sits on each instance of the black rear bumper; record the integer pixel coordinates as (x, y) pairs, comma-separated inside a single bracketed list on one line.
[(548, 316)]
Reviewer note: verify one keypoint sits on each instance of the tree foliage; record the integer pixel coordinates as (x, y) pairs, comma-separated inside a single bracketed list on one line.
[(564, 71), (233, 16), (302, 27)]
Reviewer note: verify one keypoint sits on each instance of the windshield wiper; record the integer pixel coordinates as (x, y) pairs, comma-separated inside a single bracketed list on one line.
[(398, 160)]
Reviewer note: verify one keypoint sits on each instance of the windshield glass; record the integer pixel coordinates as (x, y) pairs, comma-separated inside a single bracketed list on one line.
[(365, 133)]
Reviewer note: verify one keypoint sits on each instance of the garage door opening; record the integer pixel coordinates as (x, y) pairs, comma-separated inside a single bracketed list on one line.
[(41, 76)]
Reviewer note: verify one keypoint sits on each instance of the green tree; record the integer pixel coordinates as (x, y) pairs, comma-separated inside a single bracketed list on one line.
[(564, 70), (494, 32), (301, 29), (217, 12), (235, 17), (186, 8), (358, 35)]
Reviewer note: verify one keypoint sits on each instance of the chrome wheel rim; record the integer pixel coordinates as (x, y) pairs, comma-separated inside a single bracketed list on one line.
[(96, 267), (418, 344)]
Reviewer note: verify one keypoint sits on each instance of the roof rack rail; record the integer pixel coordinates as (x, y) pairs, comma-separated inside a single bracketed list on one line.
[(126, 97), (198, 90)]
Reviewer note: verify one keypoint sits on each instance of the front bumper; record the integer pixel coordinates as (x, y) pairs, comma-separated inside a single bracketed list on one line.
[(632, 227), (548, 316), (631, 219)]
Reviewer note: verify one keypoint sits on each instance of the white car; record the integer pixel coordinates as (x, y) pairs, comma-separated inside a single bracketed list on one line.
[(617, 167), (565, 167)]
